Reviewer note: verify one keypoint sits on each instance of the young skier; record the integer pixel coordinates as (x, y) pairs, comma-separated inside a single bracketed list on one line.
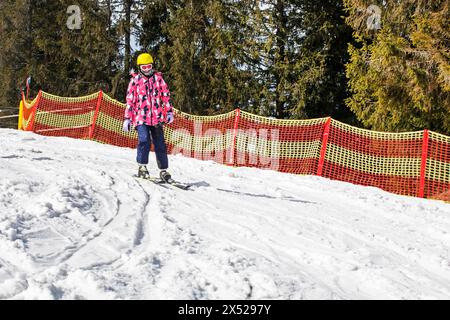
[(148, 108)]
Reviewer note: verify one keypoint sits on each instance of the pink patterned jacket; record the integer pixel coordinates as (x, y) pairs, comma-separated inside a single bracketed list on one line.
[(148, 100)]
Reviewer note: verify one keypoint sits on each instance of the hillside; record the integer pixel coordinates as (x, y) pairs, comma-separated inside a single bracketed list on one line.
[(76, 224)]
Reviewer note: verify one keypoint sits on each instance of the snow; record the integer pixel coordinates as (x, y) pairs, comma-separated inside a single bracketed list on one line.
[(75, 224)]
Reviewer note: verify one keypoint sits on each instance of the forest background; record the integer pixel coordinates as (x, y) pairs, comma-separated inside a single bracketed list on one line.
[(381, 65)]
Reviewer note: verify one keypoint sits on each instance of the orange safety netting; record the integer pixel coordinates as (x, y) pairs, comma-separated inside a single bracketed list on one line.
[(412, 163)]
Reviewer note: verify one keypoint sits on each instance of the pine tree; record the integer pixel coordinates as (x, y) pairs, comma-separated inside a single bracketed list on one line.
[(281, 58), (88, 54), (127, 21), (151, 34), (15, 50), (227, 79), (400, 74), (203, 55), (303, 54), (181, 54), (153, 17), (63, 61), (320, 85)]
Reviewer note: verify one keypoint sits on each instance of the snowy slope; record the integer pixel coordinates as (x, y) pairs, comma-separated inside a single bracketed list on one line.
[(75, 224)]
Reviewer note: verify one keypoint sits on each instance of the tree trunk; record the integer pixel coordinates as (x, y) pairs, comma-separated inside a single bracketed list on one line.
[(30, 30), (127, 4), (280, 56)]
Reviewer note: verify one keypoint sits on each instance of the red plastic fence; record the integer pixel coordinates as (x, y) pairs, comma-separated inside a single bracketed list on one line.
[(412, 163)]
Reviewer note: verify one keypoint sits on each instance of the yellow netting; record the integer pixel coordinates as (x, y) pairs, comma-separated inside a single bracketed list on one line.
[(412, 163)]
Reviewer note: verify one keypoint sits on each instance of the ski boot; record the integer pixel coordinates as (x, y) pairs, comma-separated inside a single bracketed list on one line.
[(165, 176), (143, 172)]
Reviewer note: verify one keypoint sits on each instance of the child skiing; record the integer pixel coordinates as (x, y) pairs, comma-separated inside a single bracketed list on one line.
[(148, 108)]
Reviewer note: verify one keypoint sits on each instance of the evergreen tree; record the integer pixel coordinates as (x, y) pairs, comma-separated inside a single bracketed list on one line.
[(303, 50), (153, 17), (15, 50), (203, 56), (150, 33), (181, 55), (400, 74), (88, 56), (63, 61), (283, 58), (320, 85), (225, 73), (127, 18)]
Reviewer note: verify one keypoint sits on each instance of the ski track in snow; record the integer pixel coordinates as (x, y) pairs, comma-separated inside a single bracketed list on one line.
[(75, 224)]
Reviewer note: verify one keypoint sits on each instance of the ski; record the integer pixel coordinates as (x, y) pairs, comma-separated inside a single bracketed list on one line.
[(159, 181), (177, 184)]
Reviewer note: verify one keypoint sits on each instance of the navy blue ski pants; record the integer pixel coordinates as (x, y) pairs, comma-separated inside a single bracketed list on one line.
[(146, 136)]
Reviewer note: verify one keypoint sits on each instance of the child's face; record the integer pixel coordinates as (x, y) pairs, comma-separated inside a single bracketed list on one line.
[(146, 69)]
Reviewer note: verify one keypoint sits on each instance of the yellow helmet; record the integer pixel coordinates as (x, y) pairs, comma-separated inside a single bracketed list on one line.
[(144, 58)]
